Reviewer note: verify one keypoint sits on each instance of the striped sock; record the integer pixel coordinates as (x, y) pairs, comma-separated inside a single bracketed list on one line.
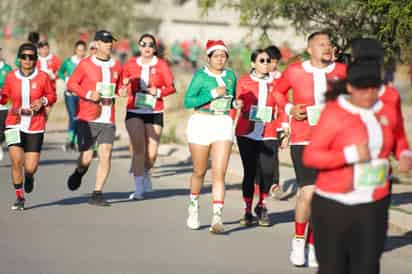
[(19, 190), (300, 229)]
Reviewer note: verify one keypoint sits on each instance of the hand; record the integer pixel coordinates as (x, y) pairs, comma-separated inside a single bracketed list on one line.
[(405, 164), (221, 91), (239, 104), (126, 81), (36, 105), (363, 152), (152, 91), (123, 91), (285, 141), (94, 96), (298, 112)]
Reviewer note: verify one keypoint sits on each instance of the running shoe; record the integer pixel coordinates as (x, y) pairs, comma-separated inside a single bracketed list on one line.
[(18, 205), (297, 256), (28, 184), (97, 199), (312, 261), (262, 216), (217, 224), (136, 196), (193, 218), (247, 219), (74, 181)]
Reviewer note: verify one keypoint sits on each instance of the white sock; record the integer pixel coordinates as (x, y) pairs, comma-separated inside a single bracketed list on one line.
[(217, 208), (194, 200), (138, 182)]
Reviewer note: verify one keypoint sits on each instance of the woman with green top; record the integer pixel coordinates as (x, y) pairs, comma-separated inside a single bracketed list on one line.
[(71, 100), (210, 130), (4, 69)]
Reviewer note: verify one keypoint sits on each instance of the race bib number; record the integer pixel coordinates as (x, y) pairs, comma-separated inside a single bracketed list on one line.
[(371, 175), (313, 113), (106, 90), (221, 104), (143, 100), (12, 136), (260, 114)]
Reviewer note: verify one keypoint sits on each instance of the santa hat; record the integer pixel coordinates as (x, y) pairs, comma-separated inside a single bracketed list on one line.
[(212, 45)]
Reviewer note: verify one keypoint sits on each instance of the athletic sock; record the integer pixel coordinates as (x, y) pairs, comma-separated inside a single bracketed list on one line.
[(300, 229), (19, 190), (217, 207), (194, 199), (248, 204)]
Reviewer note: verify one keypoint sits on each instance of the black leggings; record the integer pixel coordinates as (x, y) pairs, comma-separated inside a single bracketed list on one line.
[(257, 156), (349, 239)]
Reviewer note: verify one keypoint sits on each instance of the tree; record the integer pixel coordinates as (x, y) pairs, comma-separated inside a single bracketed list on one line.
[(388, 20)]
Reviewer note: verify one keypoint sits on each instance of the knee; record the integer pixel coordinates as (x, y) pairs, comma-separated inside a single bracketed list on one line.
[(105, 154), (198, 173), (16, 163)]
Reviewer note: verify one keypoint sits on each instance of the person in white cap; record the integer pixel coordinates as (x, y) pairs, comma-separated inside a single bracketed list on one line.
[(210, 130)]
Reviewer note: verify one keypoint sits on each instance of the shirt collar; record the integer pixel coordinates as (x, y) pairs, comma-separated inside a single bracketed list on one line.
[(348, 106)]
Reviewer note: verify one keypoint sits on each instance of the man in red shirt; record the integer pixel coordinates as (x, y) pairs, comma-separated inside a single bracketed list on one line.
[(96, 80), (308, 82)]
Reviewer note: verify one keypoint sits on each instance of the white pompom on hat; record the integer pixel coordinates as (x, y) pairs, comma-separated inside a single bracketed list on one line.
[(212, 45)]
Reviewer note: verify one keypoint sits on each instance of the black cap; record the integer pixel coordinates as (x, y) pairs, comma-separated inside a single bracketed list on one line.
[(364, 73), (104, 35), (367, 48)]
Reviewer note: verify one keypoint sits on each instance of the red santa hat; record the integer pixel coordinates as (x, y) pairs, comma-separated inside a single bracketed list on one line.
[(212, 45)]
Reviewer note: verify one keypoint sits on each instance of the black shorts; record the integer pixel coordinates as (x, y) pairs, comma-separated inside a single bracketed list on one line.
[(88, 133), (30, 142), (149, 118), (3, 116), (305, 176)]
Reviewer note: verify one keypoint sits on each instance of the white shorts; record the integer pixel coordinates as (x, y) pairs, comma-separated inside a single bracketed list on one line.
[(205, 129)]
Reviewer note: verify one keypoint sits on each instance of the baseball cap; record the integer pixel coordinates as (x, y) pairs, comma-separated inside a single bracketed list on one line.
[(104, 35)]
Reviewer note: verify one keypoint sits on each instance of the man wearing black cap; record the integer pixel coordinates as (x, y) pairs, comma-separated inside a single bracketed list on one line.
[(96, 81)]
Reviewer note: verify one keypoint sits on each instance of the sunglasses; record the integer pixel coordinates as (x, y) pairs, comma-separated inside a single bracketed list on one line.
[(147, 44), (30, 57), (264, 61)]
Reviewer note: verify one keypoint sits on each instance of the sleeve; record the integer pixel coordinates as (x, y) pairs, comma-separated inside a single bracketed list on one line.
[(6, 90), (279, 100), (231, 89), (75, 80), (61, 73), (168, 88), (57, 63), (49, 92), (282, 87), (319, 154), (401, 146), (193, 97), (119, 82)]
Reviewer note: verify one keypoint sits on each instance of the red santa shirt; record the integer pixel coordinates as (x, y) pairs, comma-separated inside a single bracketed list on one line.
[(258, 92), (22, 91), (333, 152), (308, 85), (85, 79), (389, 95), (142, 76), (50, 65)]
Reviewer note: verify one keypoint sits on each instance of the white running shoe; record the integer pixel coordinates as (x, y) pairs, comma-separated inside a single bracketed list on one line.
[(138, 193), (147, 182), (193, 218), (297, 256), (136, 196), (217, 224), (312, 261)]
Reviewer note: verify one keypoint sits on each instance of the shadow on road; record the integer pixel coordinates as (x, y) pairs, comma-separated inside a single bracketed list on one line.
[(395, 242), (401, 198)]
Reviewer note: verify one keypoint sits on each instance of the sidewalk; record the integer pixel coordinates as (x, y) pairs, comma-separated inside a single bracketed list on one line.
[(401, 208)]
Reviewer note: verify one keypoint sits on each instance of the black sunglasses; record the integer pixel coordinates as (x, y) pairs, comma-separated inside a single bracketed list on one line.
[(31, 57), (147, 44), (264, 61)]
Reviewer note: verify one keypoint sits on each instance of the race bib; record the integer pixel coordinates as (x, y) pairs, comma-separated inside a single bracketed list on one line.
[(12, 136), (106, 90), (221, 104), (144, 100), (371, 175), (260, 114), (313, 113)]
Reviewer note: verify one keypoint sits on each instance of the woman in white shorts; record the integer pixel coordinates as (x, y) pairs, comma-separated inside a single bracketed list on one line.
[(210, 130)]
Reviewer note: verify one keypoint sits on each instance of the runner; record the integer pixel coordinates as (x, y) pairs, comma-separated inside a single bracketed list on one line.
[(210, 130), (150, 80), (4, 70), (256, 134), (350, 205), (95, 80), (48, 62), (71, 100), (308, 81), (29, 92)]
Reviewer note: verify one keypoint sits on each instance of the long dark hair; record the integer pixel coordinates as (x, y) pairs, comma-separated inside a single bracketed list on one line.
[(337, 87)]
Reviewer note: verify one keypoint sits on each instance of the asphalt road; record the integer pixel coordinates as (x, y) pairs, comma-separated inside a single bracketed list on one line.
[(60, 233)]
